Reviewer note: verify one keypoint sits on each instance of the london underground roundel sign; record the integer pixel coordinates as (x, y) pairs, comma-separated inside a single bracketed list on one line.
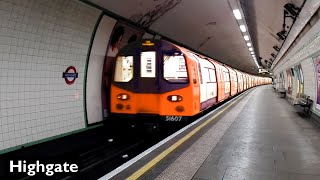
[(70, 75)]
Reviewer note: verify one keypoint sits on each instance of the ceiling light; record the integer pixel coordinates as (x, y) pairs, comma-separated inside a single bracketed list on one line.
[(250, 49), (249, 44), (237, 14), (243, 28), (246, 38), (252, 52)]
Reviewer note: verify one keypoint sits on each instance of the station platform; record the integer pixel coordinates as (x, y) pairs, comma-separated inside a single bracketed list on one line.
[(257, 135)]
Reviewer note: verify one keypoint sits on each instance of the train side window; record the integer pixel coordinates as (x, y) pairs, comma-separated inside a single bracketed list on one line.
[(212, 74), (226, 77), (123, 69), (174, 69)]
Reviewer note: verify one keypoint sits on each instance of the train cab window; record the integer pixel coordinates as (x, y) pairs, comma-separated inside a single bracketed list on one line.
[(174, 68), (123, 69), (148, 64)]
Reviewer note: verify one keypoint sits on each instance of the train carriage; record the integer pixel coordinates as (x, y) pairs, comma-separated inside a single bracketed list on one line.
[(207, 80)]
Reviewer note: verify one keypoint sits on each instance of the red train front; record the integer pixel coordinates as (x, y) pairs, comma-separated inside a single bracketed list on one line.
[(152, 78)]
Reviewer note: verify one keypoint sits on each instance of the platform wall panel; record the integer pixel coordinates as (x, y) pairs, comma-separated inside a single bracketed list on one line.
[(304, 53), (309, 80)]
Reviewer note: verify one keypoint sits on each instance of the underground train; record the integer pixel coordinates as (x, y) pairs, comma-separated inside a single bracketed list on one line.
[(158, 79)]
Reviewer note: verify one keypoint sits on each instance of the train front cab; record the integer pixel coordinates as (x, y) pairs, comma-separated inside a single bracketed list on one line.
[(154, 80)]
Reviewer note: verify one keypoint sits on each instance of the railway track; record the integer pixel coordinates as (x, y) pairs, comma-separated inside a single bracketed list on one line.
[(93, 162)]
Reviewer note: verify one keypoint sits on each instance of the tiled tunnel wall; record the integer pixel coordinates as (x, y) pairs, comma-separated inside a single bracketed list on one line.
[(39, 39)]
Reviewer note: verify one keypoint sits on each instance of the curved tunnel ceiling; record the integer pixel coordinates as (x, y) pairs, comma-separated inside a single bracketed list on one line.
[(209, 26), (267, 22)]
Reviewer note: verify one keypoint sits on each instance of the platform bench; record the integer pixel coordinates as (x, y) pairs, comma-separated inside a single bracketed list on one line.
[(283, 92), (305, 102)]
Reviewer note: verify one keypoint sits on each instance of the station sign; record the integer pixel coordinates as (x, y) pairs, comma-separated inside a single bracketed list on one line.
[(70, 75)]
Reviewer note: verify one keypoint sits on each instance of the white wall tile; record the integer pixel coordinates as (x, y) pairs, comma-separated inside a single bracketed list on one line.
[(38, 41)]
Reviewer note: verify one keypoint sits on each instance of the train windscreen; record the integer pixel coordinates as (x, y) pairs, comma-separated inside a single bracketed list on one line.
[(174, 69), (123, 69), (148, 64)]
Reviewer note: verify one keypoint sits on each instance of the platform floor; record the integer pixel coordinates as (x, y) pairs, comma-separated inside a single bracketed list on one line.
[(256, 136), (267, 140)]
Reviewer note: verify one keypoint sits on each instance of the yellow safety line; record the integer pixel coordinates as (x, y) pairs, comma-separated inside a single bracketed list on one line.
[(153, 162)]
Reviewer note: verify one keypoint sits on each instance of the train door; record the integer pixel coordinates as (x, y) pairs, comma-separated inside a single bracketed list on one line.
[(203, 93), (244, 81), (227, 82), (233, 81), (253, 81), (220, 81), (241, 84), (222, 85), (249, 81), (240, 81), (211, 87)]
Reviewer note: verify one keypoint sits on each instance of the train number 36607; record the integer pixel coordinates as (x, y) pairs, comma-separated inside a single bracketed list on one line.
[(173, 118)]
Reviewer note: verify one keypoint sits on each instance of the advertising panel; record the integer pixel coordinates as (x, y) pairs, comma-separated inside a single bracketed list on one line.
[(317, 74)]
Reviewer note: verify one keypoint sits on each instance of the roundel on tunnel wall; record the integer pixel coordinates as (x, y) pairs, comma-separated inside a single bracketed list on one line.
[(70, 75)]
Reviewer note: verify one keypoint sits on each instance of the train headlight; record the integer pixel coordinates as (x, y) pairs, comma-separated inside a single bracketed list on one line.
[(175, 98), (123, 96)]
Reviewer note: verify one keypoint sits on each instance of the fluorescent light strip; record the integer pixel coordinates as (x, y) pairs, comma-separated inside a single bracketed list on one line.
[(237, 14), (243, 28)]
